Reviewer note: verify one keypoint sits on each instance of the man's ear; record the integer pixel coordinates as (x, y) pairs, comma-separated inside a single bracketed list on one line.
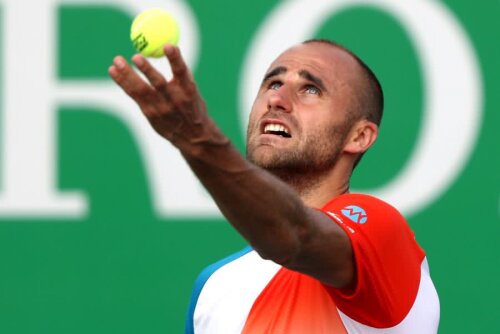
[(362, 135)]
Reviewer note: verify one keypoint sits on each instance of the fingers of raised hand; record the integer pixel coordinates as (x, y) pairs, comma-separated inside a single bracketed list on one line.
[(170, 106), (179, 68), (173, 97), (130, 81), (155, 78)]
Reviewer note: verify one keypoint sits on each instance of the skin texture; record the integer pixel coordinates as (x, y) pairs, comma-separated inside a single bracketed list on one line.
[(315, 100), (311, 90)]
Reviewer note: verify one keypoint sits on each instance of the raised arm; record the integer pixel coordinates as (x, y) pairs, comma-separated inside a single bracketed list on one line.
[(265, 211)]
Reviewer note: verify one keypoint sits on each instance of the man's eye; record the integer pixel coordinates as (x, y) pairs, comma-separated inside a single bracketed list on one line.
[(312, 90), (275, 85)]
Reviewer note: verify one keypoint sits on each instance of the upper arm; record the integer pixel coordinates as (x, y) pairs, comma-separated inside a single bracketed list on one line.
[(324, 251)]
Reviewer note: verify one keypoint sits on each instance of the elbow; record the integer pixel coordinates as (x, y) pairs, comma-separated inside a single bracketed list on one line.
[(283, 250), (279, 254), (282, 258)]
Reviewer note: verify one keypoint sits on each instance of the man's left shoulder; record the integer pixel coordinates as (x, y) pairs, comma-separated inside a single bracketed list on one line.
[(359, 208)]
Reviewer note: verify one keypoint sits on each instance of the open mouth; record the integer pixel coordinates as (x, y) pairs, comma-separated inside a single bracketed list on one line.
[(277, 129)]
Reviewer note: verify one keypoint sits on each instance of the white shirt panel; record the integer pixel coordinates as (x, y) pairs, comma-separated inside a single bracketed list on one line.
[(230, 292), (423, 317)]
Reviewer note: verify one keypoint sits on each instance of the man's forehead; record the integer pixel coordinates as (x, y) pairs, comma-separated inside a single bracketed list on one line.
[(319, 58)]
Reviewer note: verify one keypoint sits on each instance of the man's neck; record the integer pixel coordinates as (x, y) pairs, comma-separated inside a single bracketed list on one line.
[(323, 193), (317, 189)]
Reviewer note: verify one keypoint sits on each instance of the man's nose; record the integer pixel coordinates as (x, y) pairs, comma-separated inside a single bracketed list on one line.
[(280, 99)]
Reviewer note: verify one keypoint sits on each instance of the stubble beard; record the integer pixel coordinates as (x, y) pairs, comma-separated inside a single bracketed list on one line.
[(305, 167)]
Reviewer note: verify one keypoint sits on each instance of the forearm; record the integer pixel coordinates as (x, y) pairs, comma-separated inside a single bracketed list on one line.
[(271, 217), (265, 211)]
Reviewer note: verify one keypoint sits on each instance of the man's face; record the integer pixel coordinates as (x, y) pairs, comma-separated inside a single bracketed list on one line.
[(300, 117)]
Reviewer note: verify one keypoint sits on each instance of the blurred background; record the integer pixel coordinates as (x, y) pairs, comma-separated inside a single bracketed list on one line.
[(103, 229)]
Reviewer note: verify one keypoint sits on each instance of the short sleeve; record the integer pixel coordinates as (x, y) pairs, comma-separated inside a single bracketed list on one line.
[(387, 259)]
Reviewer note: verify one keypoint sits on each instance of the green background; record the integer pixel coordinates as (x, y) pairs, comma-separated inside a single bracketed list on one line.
[(123, 269)]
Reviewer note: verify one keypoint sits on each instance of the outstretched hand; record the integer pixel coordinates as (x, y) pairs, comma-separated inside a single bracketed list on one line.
[(175, 108)]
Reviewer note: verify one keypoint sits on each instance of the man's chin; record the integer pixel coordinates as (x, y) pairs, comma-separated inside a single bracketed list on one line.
[(265, 163), (271, 161), (264, 157)]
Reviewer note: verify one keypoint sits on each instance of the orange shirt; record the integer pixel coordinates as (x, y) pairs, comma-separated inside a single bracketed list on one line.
[(393, 292)]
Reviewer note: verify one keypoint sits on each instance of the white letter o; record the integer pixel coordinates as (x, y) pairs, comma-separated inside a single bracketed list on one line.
[(453, 91)]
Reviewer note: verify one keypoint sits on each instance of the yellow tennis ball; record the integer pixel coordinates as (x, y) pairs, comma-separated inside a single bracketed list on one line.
[(151, 30)]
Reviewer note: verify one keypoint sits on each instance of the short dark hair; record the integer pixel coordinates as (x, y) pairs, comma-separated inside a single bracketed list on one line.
[(372, 104)]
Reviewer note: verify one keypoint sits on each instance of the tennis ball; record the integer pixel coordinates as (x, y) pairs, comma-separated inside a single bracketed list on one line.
[(151, 30)]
